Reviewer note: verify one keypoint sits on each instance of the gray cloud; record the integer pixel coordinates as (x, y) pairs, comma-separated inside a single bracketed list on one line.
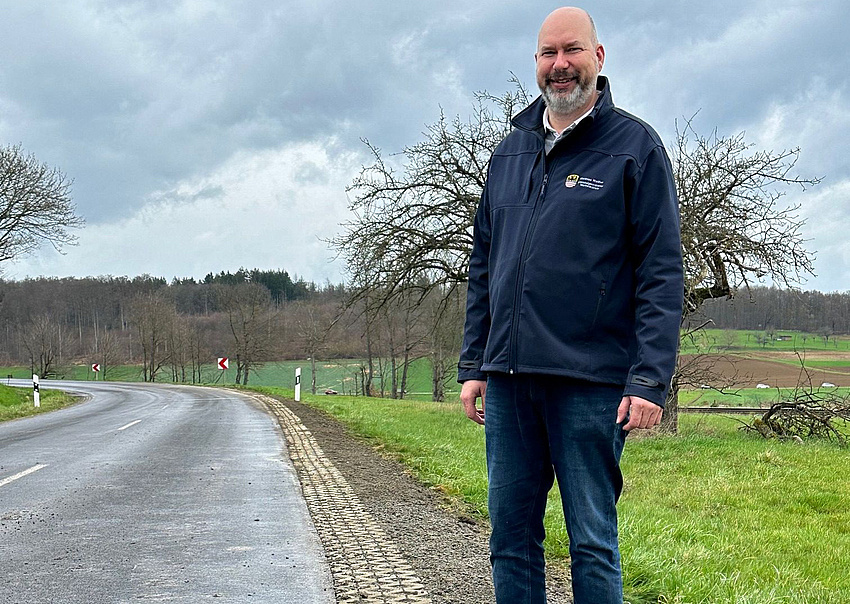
[(133, 99)]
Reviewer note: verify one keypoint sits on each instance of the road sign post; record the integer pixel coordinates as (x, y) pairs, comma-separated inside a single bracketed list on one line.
[(96, 368), (36, 397), (298, 383), (223, 363)]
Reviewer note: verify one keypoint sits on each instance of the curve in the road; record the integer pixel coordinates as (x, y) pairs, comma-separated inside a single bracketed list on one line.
[(154, 492)]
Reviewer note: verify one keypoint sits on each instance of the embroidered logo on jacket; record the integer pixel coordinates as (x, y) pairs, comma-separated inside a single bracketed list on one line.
[(583, 181)]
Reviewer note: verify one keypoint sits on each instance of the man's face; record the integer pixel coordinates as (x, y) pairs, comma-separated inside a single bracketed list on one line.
[(567, 63)]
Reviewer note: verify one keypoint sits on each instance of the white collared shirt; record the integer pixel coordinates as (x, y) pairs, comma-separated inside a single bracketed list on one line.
[(552, 135)]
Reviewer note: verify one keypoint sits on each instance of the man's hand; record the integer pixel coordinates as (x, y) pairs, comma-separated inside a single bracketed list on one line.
[(641, 412), (469, 392)]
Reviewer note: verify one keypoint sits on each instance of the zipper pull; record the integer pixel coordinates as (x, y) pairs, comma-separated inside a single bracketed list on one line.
[(545, 180)]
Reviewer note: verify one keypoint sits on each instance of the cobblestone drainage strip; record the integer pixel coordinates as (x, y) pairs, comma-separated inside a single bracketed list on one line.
[(365, 564)]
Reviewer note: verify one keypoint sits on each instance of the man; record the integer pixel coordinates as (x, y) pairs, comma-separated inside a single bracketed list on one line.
[(573, 310)]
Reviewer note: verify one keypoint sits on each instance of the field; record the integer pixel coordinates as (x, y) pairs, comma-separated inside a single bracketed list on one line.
[(777, 371), (714, 340), (745, 359), (338, 375), (711, 515), (747, 397)]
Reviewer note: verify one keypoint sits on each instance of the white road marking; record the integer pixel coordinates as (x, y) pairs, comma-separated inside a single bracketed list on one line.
[(35, 468), (164, 408), (128, 425)]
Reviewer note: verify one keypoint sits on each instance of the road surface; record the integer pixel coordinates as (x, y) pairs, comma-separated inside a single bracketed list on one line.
[(154, 493)]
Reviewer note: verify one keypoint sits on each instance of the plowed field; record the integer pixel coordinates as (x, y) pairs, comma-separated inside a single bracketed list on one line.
[(746, 372)]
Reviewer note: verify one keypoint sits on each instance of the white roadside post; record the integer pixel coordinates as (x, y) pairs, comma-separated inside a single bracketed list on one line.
[(36, 397), (298, 383)]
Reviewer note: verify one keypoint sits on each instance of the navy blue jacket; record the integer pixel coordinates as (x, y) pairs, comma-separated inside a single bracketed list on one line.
[(576, 266)]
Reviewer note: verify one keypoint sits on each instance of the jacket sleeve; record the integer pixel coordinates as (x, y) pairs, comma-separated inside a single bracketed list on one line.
[(477, 326), (656, 250)]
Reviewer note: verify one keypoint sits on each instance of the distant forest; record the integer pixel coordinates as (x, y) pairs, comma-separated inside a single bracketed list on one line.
[(770, 309), (173, 329)]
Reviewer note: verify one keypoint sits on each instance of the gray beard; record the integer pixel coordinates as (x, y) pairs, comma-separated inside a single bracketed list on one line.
[(565, 104)]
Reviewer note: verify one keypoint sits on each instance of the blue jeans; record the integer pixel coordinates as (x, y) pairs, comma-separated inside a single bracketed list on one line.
[(538, 427)]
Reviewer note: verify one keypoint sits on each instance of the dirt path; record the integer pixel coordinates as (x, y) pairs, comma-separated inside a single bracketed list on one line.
[(448, 552)]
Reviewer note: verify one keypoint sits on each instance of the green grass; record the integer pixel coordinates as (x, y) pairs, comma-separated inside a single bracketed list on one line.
[(119, 373), (815, 363), (18, 402), (746, 397), (711, 515), (718, 340), (725, 517), (828, 363)]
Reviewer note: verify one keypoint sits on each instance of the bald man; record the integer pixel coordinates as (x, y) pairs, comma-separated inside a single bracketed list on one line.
[(573, 312)]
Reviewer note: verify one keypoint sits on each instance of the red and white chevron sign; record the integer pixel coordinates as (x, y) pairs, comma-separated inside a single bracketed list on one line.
[(223, 362), (95, 366)]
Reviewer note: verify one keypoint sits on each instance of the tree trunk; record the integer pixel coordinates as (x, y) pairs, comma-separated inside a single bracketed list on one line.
[(367, 386), (670, 417), (405, 365), (313, 374), (438, 392), (381, 372)]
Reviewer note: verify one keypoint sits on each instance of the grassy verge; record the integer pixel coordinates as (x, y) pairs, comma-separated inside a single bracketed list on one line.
[(711, 515), (17, 402)]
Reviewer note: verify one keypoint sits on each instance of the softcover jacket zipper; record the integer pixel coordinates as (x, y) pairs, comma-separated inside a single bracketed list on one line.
[(521, 267)]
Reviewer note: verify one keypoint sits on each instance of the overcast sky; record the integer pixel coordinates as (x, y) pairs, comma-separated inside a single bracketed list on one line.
[(207, 135)]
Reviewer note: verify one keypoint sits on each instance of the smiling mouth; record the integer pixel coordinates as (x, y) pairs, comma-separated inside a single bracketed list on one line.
[(561, 80), (562, 84)]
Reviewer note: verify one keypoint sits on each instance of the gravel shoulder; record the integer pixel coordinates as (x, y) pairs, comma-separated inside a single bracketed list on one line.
[(447, 549)]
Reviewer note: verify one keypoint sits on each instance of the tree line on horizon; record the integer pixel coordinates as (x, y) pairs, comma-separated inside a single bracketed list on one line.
[(259, 316), (773, 309), (175, 330)]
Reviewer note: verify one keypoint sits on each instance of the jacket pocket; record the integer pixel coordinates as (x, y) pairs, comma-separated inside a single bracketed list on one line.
[(510, 181), (603, 288)]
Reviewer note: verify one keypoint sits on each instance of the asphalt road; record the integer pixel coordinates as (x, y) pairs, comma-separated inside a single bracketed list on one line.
[(154, 493)]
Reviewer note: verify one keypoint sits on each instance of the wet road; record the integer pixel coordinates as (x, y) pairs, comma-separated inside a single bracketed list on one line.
[(154, 493)]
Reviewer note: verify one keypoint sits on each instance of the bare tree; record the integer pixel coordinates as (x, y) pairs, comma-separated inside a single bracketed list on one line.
[(35, 205), (248, 315), (313, 324), (180, 347), (413, 225), (445, 315), (154, 316), (108, 352), (407, 327), (734, 229), (41, 338)]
